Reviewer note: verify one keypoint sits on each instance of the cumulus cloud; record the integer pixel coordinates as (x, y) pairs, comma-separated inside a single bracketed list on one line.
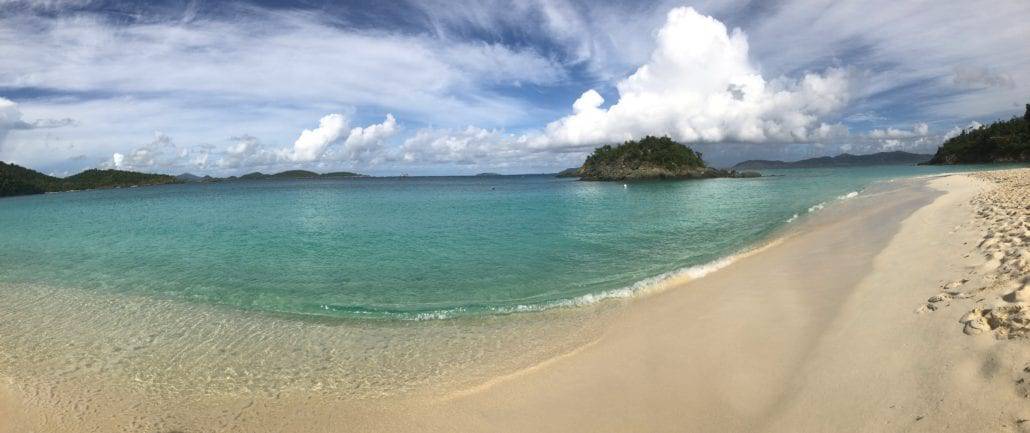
[(466, 146), (360, 143), (485, 62), (331, 141), (701, 86), (147, 155), (363, 142), (312, 143), (160, 153), (918, 130), (247, 151)]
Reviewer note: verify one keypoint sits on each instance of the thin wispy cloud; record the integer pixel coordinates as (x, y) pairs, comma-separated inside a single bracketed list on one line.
[(441, 87)]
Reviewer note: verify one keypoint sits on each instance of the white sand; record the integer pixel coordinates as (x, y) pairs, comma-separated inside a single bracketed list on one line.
[(832, 329)]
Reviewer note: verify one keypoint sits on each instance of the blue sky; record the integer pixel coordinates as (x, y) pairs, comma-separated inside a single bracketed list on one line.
[(460, 87)]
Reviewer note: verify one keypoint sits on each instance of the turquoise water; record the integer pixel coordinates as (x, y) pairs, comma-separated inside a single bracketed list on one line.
[(407, 248)]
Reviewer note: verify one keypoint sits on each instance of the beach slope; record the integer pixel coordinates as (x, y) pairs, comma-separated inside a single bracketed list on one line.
[(828, 330), (901, 309)]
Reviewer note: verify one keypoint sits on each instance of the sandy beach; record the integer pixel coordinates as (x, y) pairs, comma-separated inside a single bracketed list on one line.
[(903, 309)]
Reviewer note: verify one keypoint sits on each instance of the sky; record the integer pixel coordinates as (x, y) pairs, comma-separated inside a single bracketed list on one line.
[(435, 87)]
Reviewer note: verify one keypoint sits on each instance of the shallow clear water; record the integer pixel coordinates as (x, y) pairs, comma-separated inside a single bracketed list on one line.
[(402, 247)]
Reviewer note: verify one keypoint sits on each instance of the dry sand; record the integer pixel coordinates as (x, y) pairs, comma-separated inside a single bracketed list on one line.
[(854, 323)]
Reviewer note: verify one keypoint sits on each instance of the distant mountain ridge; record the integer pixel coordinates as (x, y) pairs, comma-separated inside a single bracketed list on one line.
[(257, 175), (842, 160), (18, 180)]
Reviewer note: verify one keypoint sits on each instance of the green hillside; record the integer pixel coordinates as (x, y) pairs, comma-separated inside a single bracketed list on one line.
[(1002, 141), (17, 180)]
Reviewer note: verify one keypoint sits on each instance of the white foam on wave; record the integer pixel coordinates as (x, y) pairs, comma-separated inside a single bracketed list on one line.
[(647, 286), (819, 206)]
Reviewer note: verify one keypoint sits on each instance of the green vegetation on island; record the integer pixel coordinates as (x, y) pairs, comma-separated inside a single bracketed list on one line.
[(649, 158), (17, 180), (295, 174), (336, 174), (568, 172), (842, 160), (96, 178), (1002, 141)]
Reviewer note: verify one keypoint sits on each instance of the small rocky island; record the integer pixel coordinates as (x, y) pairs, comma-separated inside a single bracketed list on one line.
[(649, 158)]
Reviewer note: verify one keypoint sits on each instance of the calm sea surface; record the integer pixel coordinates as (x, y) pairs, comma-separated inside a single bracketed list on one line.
[(403, 248)]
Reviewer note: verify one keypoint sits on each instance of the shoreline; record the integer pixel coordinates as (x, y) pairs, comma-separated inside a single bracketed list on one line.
[(760, 344)]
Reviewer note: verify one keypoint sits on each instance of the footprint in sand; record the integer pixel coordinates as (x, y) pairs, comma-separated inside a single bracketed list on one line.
[(1023, 383)]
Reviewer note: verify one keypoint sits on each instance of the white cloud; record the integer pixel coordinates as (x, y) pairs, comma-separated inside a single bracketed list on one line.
[(179, 76), (302, 57), (918, 130), (365, 141), (314, 147), (11, 119), (247, 151), (700, 86), (312, 143), (478, 147), (159, 153), (954, 132), (466, 146), (361, 143), (910, 62), (978, 77)]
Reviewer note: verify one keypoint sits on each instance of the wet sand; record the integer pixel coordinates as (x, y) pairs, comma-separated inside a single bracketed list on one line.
[(855, 322)]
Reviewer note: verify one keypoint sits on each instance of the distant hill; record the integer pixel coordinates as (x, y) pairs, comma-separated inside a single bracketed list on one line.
[(337, 174), (1002, 141), (649, 158), (190, 177), (842, 160), (193, 178), (489, 175), (295, 174), (298, 174), (17, 180), (568, 172), (96, 178)]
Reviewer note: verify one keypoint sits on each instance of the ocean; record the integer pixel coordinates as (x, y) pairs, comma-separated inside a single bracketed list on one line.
[(412, 248)]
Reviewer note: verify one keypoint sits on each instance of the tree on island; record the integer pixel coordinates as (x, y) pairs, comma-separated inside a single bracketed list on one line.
[(649, 158), (660, 152), (1001, 141)]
